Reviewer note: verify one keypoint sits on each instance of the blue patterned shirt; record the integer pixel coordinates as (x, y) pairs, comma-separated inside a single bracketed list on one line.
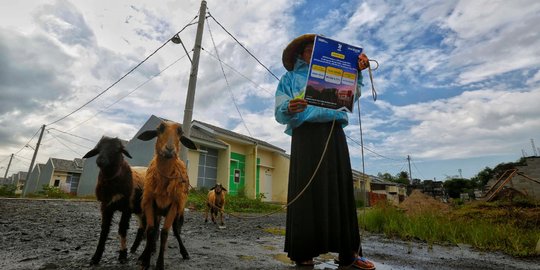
[(292, 84)]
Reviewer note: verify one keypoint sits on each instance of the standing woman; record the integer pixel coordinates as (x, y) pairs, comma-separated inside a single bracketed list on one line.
[(323, 219)]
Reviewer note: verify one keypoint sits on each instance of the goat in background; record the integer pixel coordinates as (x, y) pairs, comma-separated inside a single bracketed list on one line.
[(119, 188), (215, 203), (165, 189)]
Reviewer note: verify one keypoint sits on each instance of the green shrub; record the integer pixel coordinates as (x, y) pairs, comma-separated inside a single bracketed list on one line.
[(54, 192), (7, 190)]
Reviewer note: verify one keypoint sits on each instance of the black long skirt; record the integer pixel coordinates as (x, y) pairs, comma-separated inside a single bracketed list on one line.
[(323, 219)]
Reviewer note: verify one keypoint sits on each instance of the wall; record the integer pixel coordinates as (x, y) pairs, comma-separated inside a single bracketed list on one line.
[(45, 175), (524, 185), (280, 178)]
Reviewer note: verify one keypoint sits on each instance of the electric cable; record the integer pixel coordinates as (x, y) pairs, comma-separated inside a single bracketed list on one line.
[(238, 72), (117, 81), (129, 93), (227, 81), (210, 15)]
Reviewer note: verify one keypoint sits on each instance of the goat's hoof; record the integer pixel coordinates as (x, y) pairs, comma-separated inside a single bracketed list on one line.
[(122, 257), (185, 257), (206, 220)]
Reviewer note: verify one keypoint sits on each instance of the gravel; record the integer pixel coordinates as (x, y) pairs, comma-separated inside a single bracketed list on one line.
[(61, 234)]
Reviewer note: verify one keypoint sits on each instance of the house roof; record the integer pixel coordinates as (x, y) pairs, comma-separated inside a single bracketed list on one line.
[(209, 133), (67, 165), (208, 129), (377, 180)]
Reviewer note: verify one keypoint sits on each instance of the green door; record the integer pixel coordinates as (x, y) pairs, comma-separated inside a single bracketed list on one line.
[(237, 173)]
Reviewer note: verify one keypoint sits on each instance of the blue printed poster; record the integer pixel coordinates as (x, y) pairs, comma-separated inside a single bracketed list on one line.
[(333, 73)]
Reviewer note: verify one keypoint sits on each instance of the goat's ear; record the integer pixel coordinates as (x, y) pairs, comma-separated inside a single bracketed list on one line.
[(91, 153), (188, 143), (224, 188), (126, 153), (148, 135), (213, 187)]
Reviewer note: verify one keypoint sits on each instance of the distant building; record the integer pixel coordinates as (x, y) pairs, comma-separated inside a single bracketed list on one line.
[(61, 173), (19, 179), (434, 189), (390, 191), (240, 163)]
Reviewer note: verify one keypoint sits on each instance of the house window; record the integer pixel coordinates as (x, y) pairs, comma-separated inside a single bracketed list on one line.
[(237, 176), (57, 182), (207, 171)]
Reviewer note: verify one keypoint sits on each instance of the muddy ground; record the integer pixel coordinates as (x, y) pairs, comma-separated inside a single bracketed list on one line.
[(57, 234)]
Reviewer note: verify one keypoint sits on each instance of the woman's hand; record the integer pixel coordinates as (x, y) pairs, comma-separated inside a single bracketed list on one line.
[(297, 105), (363, 62)]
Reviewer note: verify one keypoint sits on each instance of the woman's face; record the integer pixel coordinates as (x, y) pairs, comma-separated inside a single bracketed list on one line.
[(306, 54)]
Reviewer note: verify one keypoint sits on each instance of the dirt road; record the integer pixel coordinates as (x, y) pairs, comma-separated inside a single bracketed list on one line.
[(56, 234)]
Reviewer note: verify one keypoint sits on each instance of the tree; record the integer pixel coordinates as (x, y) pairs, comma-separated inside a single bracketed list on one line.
[(454, 187), (386, 176), (483, 177), (402, 178)]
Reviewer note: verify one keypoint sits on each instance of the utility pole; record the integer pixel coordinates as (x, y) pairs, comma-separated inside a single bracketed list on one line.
[(410, 174), (9, 164), (33, 160), (190, 98)]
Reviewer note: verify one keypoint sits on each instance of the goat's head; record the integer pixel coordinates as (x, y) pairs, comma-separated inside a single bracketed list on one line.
[(169, 136), (109, 152), (218, 188)]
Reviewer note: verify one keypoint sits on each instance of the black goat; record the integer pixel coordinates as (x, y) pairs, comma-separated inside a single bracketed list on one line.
[(119, 188)]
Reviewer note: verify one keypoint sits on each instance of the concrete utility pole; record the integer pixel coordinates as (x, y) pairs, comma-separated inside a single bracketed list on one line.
[(33, 160), (190, 98), (9, 164), (410, 174)]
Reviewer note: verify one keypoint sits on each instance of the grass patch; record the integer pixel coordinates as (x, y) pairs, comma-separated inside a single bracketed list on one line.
[(489, 227), (234, 203), (275, 231)]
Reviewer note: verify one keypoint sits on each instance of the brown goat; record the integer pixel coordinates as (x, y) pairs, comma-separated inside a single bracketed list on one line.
[(215, 203), (119, 188), (165, 189)]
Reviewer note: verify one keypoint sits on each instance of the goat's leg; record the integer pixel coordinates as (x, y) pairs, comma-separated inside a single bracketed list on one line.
[(177, 229), (144, 259), (122, 231), (206, 213), (214, 214), (140, 234), (106, 218), (221, 216), (169, 220)]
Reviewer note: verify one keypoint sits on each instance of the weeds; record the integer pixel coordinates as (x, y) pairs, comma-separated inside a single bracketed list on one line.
[(485, 227), (234, 203)]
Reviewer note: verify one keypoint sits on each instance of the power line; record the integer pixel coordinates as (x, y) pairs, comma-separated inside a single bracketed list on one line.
[(414, 164), (242, 46), (131, 92), (373, 152), (117, 81), (77, 136), (71, 149), (227, 81), (238, 72), (74, 143)]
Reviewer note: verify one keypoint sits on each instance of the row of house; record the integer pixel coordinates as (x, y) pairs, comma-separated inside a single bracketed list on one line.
[(241, 163)]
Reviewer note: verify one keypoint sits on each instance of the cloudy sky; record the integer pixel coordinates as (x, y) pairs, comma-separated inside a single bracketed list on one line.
[(458, 84)]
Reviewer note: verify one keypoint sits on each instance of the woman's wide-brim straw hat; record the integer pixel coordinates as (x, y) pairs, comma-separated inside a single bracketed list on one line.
[(293, 49)]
